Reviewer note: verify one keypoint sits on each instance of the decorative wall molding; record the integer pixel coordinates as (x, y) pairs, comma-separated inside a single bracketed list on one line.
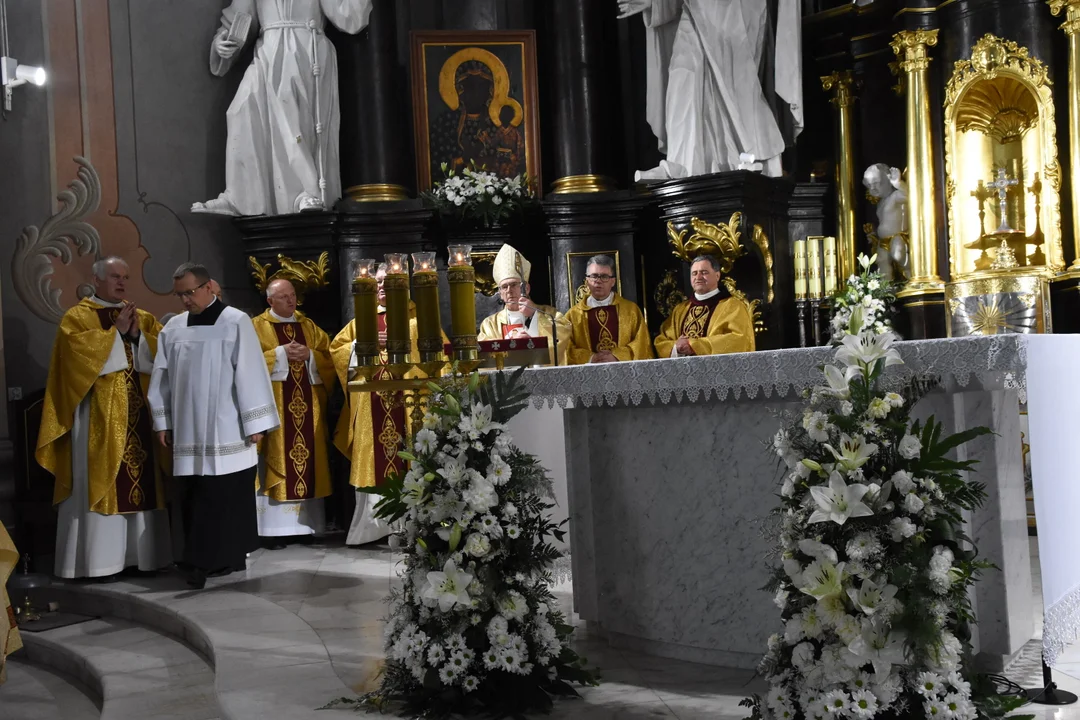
[(32, 265)]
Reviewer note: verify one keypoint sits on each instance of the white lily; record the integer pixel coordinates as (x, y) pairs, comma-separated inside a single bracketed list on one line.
[(823, 580), (838, 384), (854, 452), (859, 353), (839, 501), (448, 587), (871, 596), (878, 646)]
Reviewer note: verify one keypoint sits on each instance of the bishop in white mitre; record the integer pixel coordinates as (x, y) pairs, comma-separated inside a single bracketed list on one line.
[(520, 316), (211, 401), (282, 155), (705, 101), (96, 439)]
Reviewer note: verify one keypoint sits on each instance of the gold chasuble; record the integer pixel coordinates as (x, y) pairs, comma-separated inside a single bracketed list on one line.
[(618, 328), (371, 427), (123, 477), (713, 326), (296, 463), (9, 632), (498, 327)]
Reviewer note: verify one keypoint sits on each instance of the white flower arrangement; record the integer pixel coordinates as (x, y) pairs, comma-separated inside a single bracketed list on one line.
[(474, 626), (477, 195), (872, 294), (874, 582)]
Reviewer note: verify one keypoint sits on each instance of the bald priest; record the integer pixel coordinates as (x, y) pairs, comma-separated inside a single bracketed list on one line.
[(520, 316), (709, 323)]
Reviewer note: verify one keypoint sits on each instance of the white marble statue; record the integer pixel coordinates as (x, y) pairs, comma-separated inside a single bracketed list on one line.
[(282, 151), (705, 100), (884, 183)]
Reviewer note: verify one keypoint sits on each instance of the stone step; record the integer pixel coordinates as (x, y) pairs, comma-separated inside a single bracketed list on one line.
[(33, 692), (267, 661), (137, 670)]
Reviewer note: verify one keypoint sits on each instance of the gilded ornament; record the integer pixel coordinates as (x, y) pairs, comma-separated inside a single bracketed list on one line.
[(910, 46), (667, 294), (840, 83), (721, 241), (761, 240), (305, 275)]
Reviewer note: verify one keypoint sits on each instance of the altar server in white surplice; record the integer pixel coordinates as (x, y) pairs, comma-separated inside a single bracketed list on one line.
[(96, 438), (212, 401)]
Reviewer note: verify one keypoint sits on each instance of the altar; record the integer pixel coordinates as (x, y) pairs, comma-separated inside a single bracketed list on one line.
[(669, 479)]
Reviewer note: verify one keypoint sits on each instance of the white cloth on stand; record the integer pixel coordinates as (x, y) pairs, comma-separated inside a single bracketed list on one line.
[(365, 527), (90, 544)]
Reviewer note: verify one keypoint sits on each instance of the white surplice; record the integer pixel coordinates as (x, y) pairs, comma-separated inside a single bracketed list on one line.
[(210, 387), (284, 123), (89, 544), (289, 517), (705, 102)]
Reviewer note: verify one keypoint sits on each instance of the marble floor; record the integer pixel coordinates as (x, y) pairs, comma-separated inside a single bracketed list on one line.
[(301, 626)]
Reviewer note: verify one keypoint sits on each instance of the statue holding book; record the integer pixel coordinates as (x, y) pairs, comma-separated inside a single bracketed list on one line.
[(282, 152)]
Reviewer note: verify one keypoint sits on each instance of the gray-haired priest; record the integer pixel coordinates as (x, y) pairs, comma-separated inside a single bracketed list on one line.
[(708, 324), (211, 400), (521, 317)]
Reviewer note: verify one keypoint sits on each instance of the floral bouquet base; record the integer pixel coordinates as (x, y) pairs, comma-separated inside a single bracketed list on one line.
[(474, 628), (873, 587)]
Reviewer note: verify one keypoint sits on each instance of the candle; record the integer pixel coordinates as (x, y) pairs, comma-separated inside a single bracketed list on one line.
[(813, 267), (365, 312), (830, 266), (426, 294), (462, 280), (800, 269), (396, 285)]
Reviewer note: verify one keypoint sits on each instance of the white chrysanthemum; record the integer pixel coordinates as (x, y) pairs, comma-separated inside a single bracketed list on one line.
[(491, 659), (913, 503), (513, 532), (449, 675), (836, 701), (879, 408), (469, 683), (817, 426), (894, 399), (436, 655), (512, 606), (901, 528), (498, 471), (480, 495), (910, 447), (864, 705), (477, 545), (863, 546)]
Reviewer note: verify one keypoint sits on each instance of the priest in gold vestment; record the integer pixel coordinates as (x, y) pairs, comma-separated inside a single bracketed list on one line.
[(9, 632), (294, 470), (521, 317), (707, 324), (371, 427), (96, 435), (604, 327)]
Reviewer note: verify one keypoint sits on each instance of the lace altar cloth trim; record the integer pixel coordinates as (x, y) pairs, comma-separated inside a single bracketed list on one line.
[(997, 362), (1061, 625)]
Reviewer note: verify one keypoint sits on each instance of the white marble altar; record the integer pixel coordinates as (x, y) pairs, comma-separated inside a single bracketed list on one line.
[(669, 480)]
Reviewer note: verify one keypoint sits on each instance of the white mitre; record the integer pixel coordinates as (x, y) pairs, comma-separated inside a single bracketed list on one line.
[(510, 264)]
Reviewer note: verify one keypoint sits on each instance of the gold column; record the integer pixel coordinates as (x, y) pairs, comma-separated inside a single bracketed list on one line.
[(841, 84), (572, 184), (1071, 26), (910, 47), (377, 192)]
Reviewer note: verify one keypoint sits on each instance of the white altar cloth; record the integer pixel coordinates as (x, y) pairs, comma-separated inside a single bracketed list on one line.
[(982, 380)]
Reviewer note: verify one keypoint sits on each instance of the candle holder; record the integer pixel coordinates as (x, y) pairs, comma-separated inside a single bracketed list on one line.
[(396, 287), (462, 279), (365, 318), (428, 323)]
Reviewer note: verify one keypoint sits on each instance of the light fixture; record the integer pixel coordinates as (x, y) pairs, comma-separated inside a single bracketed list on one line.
[(12, 74)]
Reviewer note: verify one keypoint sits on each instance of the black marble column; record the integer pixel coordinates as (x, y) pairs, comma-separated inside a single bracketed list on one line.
[(597, 224), (581, 93), (376, 161)]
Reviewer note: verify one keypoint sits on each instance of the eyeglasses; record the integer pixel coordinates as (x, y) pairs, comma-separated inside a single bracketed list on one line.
[(601, 278), (189, 293), (510, 286)]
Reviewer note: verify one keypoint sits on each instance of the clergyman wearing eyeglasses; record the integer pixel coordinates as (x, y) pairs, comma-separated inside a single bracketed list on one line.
[(520, 316), (604, 327), (211, 401)]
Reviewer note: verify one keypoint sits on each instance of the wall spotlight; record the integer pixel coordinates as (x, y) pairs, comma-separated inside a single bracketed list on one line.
[(12, 74)]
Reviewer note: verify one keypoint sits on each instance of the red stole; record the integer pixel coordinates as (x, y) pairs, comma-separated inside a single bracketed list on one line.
[(299, 419), (388, 427), (603, 328), (696, 322), (136, 484)]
